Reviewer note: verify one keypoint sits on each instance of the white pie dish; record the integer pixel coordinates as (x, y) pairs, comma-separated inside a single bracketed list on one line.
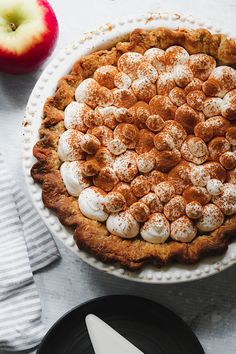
[(46, 85)]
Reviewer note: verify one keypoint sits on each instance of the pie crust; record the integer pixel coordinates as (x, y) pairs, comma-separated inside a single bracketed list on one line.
[(92, 235)]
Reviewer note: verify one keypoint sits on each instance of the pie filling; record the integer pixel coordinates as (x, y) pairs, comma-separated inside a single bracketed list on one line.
[(150, 145)]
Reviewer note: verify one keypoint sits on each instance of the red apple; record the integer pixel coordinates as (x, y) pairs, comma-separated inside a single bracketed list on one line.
[(28, 33)]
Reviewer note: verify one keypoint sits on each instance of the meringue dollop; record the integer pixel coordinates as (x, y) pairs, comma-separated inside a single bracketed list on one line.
[(91, 203), (123, 225), (73, 178)]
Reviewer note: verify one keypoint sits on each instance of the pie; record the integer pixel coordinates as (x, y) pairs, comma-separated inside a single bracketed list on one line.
[(137, 149)]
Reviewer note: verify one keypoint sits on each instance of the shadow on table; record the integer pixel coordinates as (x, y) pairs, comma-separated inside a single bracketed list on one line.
[(15, 89), (204, 304)]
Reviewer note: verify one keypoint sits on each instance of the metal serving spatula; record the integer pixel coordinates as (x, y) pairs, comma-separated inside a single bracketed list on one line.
[(106, 340)]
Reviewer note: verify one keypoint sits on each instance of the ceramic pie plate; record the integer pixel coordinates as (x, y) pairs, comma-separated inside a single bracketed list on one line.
[(103, 38)]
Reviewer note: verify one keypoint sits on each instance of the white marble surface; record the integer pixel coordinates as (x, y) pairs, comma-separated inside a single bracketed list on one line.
[(208, 306)]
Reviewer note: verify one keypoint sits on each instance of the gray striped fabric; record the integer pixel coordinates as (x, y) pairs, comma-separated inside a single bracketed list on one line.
[(25, 246)]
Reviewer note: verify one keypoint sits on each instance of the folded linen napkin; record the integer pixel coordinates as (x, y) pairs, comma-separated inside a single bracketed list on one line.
[(25, 246)]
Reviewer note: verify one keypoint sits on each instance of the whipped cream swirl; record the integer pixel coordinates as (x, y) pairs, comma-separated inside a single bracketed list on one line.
[(123, 225), (91, 203), (156, 229), (72, 177)]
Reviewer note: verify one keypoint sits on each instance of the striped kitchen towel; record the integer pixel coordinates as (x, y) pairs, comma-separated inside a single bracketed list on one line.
[(25, 246)]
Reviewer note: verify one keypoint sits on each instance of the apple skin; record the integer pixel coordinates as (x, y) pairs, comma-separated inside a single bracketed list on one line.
[(38, 51)]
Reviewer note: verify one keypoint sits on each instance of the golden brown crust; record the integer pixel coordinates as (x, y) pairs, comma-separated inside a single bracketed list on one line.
[(194, 41), (134, 253), (92, 235)]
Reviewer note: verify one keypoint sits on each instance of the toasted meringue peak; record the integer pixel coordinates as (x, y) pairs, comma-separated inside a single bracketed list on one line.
[(166, 160), (182, 75), (216, 170), (211, 219), (221, 80), (175, 208), (176, 131), (122, 80), (217, 147), (165, 191), (199, 176), (162, 106), (114, 202), (196, 147), (202, 65), (155, 123), (195, 84), (183, 229), (106, 179), (143, 89), (164, 141), (153, 202), (90, 168), (92, 119), (129, 62), (165, 83), (147, 71), (204, 131), (104, 157), (125, 166), (194, 210), (156, 229), (90, 144), (126, 191), (75, 114), (214, 186), (123, 225), (176, 55), (218, 125), (123, 115), (178, 185), (91, 203), (196, 99), (231, 176), (124, 98), (194, 150), (145, 162), (179, 176), (227, 200), (140, 111), (108, 115), (103, 133), (105, 97), (228, 160), (212, 106), (145, 141), (140, 186), (87, 92), (140, 211), (74, 181), (156, 177), (156, 57), (69, 145), (127, 134), (116, 146), (177, 96), (105, 76)]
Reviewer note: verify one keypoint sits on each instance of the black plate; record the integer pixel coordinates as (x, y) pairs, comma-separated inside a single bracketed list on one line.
[(149, 326)]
